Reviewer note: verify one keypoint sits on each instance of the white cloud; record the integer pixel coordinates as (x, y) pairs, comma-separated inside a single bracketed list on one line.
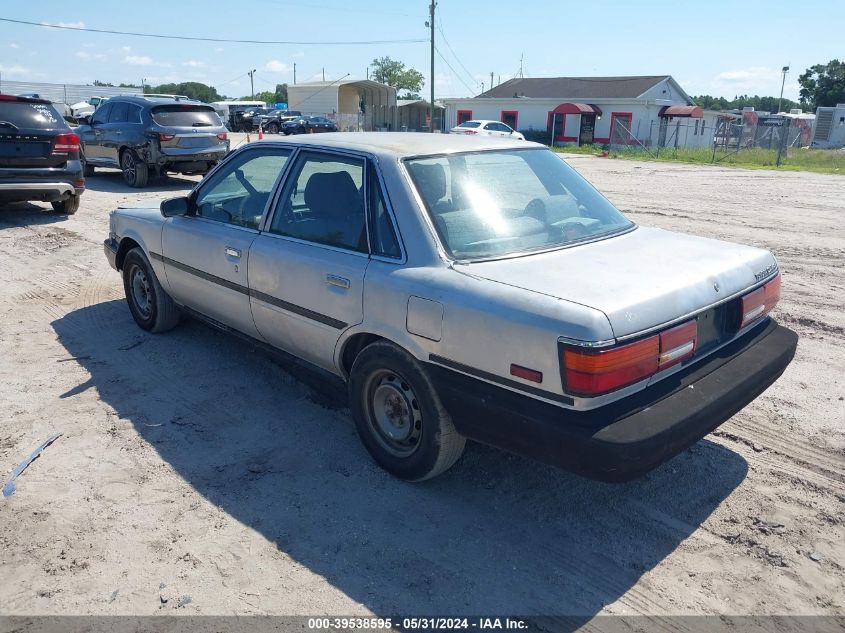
[(299, 54), (89, 45), (82, 54), (67, 25), (193, 63), (219, 50), (138, 60), (143, 60), (14, 71), (126, 49), (275, 66), (13, 45), (99, 56)]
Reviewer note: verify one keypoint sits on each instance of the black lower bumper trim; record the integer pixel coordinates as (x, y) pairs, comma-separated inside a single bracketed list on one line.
[(626, 439)]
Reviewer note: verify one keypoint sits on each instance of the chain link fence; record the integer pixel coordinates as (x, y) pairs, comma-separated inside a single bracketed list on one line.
[(770, 138)]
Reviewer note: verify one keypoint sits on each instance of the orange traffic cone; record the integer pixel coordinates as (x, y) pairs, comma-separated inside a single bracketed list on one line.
[(310, 130), (260, 133)]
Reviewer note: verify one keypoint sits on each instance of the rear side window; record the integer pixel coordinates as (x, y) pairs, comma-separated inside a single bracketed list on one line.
[(185, 116), (470, 124), (23, 115)]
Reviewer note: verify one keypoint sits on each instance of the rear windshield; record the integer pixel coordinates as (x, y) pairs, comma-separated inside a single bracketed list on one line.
[(503, 202), (22, 115), (186, 116), (470, 124)]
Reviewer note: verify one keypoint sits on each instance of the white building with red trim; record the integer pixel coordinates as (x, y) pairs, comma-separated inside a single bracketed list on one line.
[(647, 110)]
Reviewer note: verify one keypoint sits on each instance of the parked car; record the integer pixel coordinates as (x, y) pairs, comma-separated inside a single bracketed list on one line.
[(143, 135), (272, 121), (507, 301), (482, 127), (39, 155), (309, 124)]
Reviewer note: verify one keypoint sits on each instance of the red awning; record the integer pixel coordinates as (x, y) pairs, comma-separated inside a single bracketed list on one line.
[(577, 108), (689, 110)]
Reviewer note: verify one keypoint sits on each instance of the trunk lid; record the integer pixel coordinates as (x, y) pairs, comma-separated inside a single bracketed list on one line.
[(640, 280), (189, 126), (27, 131)]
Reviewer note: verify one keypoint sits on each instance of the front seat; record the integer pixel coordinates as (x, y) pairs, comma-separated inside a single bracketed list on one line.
[(336, 210)]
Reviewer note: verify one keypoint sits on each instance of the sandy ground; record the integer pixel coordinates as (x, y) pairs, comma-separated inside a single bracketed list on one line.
[(197, 475)]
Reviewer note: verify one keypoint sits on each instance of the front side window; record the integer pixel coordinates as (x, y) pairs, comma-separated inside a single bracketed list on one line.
[(323, 202), (101, 114), (500, 203), (238, 192)]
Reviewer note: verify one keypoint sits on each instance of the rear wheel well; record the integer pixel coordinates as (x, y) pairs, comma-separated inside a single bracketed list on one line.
[(126, 245), (353, 347)]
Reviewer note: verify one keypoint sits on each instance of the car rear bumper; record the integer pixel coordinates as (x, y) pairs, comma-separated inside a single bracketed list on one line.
[(46, 191), (192, 154), (628, 438)]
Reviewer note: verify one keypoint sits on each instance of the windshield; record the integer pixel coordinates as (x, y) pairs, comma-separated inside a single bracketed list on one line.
[(186, 116), (497, 203)]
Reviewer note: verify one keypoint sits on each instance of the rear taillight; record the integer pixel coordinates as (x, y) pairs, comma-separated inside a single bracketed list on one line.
[(589, 372), (470, 132), (166, 137), (223, 136), (64, 143), (677, 343), (759, 303), (592, 372)]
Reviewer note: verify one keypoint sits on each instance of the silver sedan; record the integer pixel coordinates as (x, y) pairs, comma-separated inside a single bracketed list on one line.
[(464, 287)]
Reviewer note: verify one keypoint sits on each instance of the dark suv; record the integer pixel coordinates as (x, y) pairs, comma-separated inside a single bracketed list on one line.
[(39, 155), (140, 135)]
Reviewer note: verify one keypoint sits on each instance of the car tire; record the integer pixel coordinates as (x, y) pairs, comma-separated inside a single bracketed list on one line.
[(151, 307), (87, 169), (272, 128), (68, 206), (399, 416), (135, 171)]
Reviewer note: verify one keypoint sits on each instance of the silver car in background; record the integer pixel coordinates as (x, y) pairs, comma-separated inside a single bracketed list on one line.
[(464, 288)]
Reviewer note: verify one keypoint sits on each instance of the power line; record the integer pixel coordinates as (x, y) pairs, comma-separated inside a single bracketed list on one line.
[(437, 50), (211, 39), (454, 54)]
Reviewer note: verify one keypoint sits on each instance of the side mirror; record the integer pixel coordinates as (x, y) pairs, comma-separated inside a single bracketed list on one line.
[(174, 207)]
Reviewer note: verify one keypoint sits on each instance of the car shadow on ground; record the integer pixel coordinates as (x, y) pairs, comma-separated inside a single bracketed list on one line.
[(28, 213), (497, 534), (111, 181)]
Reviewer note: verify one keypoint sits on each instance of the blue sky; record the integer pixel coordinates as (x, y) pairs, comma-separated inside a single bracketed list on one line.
[(719, 48)]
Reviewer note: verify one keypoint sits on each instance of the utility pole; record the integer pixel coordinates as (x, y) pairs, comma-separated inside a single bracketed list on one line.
[(491, 81), (324, 73), (251, 84), (784, 70), (294, 73), (143, 84), (520, 66), (431, 26)]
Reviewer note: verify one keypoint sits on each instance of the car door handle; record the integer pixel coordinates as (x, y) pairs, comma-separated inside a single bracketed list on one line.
[(335, 280), (118, 132), (233, 252)]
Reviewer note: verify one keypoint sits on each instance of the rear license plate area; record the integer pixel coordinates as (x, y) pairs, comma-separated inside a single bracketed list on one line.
[(712, 328)]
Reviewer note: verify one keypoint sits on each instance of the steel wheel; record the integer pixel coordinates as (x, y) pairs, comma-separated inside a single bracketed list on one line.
[(393, 413), (142, 294)]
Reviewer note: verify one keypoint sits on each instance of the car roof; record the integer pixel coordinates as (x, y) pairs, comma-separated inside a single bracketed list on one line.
[(405, 144), (153, 101)]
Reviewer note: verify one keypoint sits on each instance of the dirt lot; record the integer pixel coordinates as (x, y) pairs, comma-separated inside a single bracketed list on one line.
[(196, 475)]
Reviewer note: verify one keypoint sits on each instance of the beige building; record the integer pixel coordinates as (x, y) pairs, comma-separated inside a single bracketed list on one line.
[(354, 104)]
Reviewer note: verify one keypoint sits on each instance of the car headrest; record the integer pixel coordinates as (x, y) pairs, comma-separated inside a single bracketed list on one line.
[(332, 194), (431, 180)]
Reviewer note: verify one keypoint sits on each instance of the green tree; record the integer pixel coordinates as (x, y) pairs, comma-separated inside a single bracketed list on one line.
[(191, 89), (279, 95), (823, 85), (765, 104), (394, 73)]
